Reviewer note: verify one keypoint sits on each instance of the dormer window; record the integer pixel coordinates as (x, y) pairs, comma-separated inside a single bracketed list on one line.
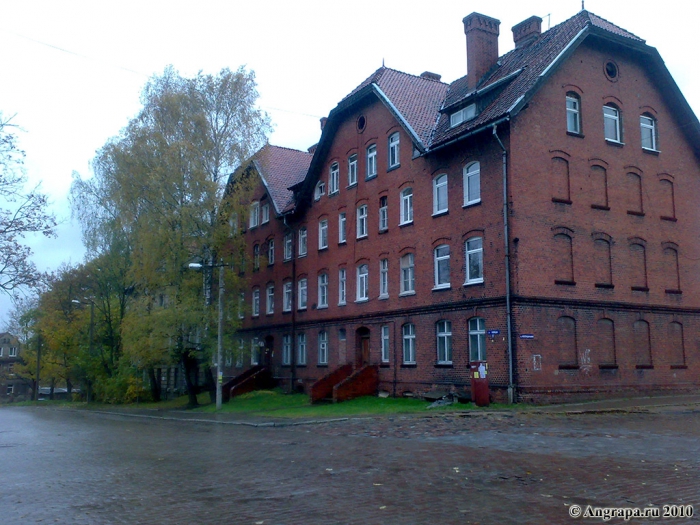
[(320, 190), (463, 115)]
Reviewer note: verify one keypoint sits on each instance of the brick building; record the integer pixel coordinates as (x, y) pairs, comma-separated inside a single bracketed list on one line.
[(539, 213), (11, 386)]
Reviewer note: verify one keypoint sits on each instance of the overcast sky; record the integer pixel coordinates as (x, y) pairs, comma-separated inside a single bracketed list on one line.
[(71, 71)]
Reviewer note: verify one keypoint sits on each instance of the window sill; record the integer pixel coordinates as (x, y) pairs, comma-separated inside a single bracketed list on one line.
[(322, 248), (341, 243), (565, 283), (342, 304), (444, 365), (408, 365), (644, 367), (301, 255), (441, 288), (349, 186), (392, 168), (287, 311), (324, 307), (568, 367), (472, 283), (383, 297), (385, 230), (605, 286), (370, 177), (361, 237), (673, 292), (471, 203), (287, 259), (406, 294), (666, 218), (639, 288), (333, 193), (608, 367), (269, 314), (441, 213), (286, 365), (409, 223), (679, 367), (600, 207), (358, 301), (255, 316), (264, 222), (651, 151), (615, 143), (575, 134), (635, 213), (301, 309), (561, 201), (320, 365)]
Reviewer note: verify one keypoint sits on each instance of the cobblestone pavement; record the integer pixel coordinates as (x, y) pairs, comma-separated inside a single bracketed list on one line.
[(83, 467)]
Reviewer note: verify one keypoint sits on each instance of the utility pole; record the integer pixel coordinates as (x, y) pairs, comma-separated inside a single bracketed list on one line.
[(220, 338), (38, 365)]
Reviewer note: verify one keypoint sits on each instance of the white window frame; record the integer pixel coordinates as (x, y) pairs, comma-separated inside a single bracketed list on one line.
[(323, 347), (271, 252), (477, 333), (256, 302), (10, 390), (303, 235), (320, 190), (408, 337), (352, 170), (385, 343), (322, 291), (334, 179), (287, 296), (254, 215), (301, 349), (441, 258), (477, 252), (611, 114), (288, 245), (444, 342), (362, 294), (12, 352), (241, 305), (239, 355), (323, 234), (647, 125), (383, 213), (342, 286), (383, 278), (342, 228), (362, 221), (371, 161), (573, 114), (265, 213), (270, 299), (408, 274), (303, 288), (256, 257), (287, 349), (462, 115), (440, 205), (472, 175), (406, 206), (394, 161)]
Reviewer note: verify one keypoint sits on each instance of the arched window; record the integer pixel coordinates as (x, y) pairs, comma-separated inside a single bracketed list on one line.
[(320, 190), (676, 345), (440, 194), (323, 347), (668, 200), (561, 186), (647, 124), (613, 123), (602, 261), (672, 270), (474, 250), (441, 257), (472, 183), (635, 200), (563, 258), (599, 188), (394, 150), (256, 257), (409, 343), (573, 113), (362, 282), (322, 290), (408, 278), (605, 339), (566, 342), (642, 344), (477, 339), (444, 342), (407, 206), (638, 266)]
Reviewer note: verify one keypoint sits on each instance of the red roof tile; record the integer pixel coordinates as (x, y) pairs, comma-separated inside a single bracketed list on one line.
[(281, 168)]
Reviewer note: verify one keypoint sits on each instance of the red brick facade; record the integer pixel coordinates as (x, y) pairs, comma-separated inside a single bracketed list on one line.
[(603, 234)]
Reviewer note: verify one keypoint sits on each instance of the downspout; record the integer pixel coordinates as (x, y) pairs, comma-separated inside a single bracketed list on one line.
[(506, 240), (293, 356)]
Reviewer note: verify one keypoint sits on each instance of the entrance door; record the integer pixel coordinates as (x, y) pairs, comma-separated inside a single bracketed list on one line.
[(362, 347), (269, 346)]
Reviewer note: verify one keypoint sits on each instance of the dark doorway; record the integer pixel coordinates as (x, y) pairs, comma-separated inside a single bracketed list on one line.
[(361, 347), (268, 351)]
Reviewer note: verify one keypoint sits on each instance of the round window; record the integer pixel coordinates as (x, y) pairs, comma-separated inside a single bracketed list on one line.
[(611, 70), (361, 123)]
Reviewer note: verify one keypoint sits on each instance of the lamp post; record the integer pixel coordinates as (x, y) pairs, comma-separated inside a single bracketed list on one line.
[(220, 328), (90, 334)]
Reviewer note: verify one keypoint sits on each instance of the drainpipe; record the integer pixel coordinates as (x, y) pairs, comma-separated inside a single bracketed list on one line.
[(293, 363), (506, 240)]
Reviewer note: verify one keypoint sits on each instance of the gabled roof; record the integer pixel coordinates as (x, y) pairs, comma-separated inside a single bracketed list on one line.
[(280, 169)]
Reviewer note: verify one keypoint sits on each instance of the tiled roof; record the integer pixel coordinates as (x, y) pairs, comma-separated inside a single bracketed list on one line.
[(280, 169)]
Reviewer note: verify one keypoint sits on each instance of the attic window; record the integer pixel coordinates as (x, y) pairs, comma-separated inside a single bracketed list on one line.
[(320, 190), (361, 123), (463, 115), (611, 70)]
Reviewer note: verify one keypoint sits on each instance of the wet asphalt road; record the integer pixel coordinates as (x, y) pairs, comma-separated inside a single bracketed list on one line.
[(83, 467)]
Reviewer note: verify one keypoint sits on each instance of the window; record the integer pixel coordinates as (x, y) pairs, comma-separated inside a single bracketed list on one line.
[(599, 188), (256, 257), (441, 256), (239, 355), (409, 344), (611, 118), (563, 257), (342, 235), (672, 277), (371, 161), (675, 345), (270, 305), (602, 260), (475, 260), (472, 183), (323, 347), (286, 349), (394, 150), (383, 278), (362, 282), (233, 224), (334, 180), (302, 242), (444, 342), (638, 268), (567, 342), (573, 113), (287, 296), (254, 214), (13, 351), (385, 343), (323, 290), (241, 302), (256, 302), (642, 344), (362, 221), (668, 199), (440, 194), (635, 195), (559, 180), (477, 339), (265, 211), (648, 128), (320, 190), (323, 234), (302, 294), (1, 351), (10, 390), (462, 115), (407, 206), (605, 342), (408, 281), (352, 170), (271, 251), (301, 349), (342, 334), (342, 279), (383, 214), (288, 246)]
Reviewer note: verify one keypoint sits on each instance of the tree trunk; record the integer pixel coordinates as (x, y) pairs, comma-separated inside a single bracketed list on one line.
[(69, 388), (191, 371), (210, 385), (154, 383), (53, 384)]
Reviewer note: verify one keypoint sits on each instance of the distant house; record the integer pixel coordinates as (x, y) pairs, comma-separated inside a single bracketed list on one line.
[(539, 213), (11, 387)]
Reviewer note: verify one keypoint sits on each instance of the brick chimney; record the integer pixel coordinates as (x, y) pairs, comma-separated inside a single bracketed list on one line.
[(431, 76), (482, 46), (527, 31)]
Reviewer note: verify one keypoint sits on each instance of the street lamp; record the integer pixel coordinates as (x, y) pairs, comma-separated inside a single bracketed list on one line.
[(220, 329), (92, 325)]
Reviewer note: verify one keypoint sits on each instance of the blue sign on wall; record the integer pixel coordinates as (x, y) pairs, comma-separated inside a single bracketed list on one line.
[(493, 332), (527, 336)]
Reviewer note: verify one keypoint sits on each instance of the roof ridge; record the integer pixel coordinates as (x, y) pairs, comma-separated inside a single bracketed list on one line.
[(287, 148), (416, 76)]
